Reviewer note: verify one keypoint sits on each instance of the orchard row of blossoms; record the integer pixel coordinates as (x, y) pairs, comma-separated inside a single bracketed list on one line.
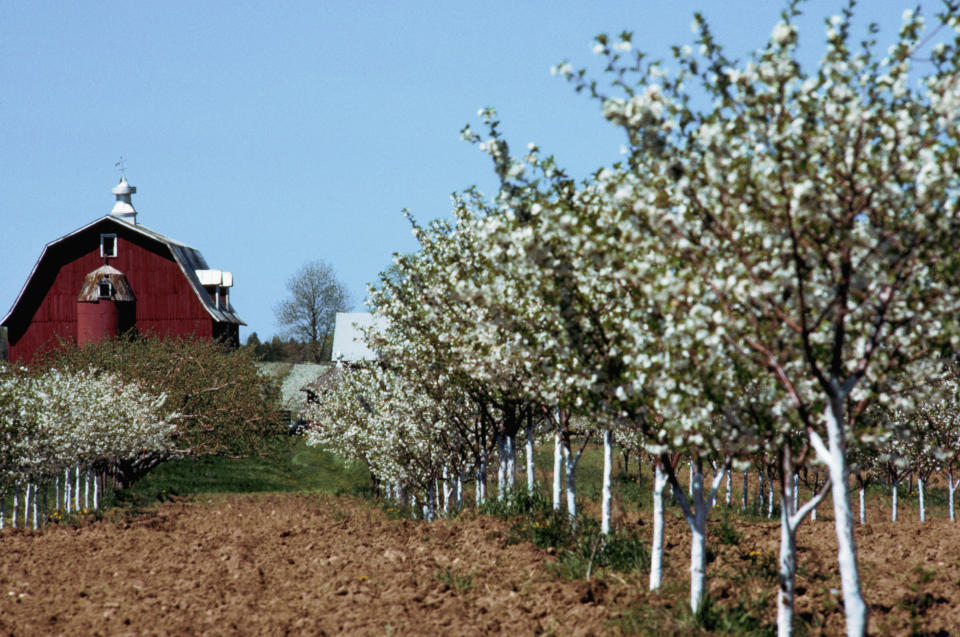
[(60, 422), (760, 277)]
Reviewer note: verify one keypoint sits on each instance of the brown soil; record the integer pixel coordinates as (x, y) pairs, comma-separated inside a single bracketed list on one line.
[(299, 564)]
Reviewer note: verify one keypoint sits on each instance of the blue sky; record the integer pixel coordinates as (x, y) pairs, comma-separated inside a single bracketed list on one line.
[(271, 134)]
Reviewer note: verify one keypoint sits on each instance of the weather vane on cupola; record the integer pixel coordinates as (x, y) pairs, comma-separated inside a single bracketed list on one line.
[(123, 208)]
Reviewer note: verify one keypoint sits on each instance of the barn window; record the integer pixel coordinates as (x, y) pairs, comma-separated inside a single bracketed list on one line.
[(108, 245), (106, 290)]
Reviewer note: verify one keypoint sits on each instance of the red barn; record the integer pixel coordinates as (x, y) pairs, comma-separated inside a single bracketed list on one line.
[(113, 275)]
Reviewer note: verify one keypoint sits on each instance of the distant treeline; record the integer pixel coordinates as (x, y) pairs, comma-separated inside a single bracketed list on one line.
[(286, 351)]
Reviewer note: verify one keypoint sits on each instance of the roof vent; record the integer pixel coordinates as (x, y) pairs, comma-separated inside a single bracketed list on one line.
[(123, 209)]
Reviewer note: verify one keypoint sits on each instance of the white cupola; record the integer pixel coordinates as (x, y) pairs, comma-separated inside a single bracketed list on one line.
[(123, 209)]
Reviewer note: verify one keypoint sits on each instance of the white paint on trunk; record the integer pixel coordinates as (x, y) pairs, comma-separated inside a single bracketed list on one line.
[(86, 489), (96, 491), (893, 498), (606, 498), (863, 506), (923, 511), (429, 509), (696, 516), (76, 484), (501, 467), (447, 490), (26, 505), (656, 552), (571, 481), (770, 495), (36, 512), (834, 456), (529, 450), (459, 491), (16, 503), (951, 488), (3, 510), (788, 567), (557, 469), (760, 482), (729, 487), (67, 490), (796, 491), (511, 464)]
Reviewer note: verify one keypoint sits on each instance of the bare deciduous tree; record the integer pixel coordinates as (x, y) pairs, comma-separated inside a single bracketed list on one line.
[(315, 298)]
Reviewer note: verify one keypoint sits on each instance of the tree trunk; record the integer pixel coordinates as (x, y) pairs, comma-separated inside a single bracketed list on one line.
[(863, 507), (501, 467), (951, 487), (557, 469), (760, 482), (571, 480), (854, 606), (923, 511), (788, 565), (729, 487), (607, 474), (529, 446), (893, 498), (656, 552), (769, 494)]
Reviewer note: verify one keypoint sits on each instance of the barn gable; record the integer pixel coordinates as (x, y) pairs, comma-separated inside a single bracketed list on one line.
[(164, 275)]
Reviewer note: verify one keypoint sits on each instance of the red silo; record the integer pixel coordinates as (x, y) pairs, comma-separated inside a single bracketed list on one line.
[(106, 306)]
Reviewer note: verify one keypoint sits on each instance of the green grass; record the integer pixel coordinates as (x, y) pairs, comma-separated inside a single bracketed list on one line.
[(292, 466)]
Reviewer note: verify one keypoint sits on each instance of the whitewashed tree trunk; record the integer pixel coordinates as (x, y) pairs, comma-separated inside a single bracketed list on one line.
[(571, 463), (86, 489), (893, 500), (923, 511), (557, 469), (429, 509), (863, 506), (56, 492), (951, 488), (501, 467), (96, 490), (656, 552), (67, 492), (447, 490), (607, 497), (696, 513), (760, 482), (729, 487), (3, 510), (26, 506), (511, 445), (769, 494), (459, 491), (796, 491), (76, 484), (16, 503), (529, 450), (36, 507), (790, 518), (788, 568), (690, 483), (834, 456)]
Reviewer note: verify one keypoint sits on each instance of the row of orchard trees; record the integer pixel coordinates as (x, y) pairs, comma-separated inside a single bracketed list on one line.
[(121, 407), (65, 427), (769, 273)]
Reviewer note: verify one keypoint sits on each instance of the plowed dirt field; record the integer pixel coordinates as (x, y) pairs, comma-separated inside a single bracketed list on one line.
[(310, 565)]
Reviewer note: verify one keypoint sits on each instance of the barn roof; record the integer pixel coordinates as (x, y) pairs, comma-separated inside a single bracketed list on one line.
[(189, 259)]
